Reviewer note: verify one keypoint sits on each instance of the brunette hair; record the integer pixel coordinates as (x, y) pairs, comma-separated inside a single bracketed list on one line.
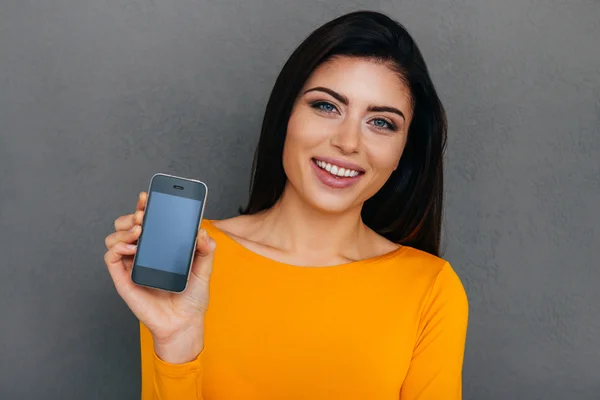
[(408, 208)]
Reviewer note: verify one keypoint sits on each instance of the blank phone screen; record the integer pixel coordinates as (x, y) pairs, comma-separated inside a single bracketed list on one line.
[(169, 233)]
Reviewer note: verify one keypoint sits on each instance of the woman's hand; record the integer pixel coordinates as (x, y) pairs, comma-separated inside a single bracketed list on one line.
[(176, 320)]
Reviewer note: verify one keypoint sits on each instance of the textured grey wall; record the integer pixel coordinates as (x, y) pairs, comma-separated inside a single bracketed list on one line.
[(96, 96)]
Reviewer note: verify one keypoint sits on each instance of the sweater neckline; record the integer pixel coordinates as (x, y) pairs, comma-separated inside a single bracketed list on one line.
[(264, 259)]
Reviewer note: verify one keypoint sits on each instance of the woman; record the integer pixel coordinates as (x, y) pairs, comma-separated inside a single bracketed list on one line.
[(329, 285)]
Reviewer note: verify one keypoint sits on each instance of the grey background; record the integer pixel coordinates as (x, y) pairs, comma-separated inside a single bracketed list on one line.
[(96, 96)]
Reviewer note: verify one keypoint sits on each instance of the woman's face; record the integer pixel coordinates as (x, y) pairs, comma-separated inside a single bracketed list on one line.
[(346, 133)]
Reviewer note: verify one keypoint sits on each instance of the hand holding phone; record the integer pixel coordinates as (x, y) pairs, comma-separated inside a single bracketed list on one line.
[(176, 320)]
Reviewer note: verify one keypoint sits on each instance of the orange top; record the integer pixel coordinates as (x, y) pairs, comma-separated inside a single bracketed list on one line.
[(390, 327)]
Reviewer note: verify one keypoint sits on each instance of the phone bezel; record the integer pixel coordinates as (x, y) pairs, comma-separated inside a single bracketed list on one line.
[(160, 279)]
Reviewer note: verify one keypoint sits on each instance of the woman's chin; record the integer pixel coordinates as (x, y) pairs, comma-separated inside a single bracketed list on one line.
[(332, 204)]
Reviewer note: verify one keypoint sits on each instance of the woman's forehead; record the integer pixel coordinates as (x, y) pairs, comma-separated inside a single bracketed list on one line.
[(361, 79)]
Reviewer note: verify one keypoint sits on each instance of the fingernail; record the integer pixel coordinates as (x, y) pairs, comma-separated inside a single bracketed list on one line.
[(131, 246), (132, 228), (212, 244)]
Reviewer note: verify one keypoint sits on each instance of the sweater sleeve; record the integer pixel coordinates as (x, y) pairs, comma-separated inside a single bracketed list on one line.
[(435, 371), (164, 381)]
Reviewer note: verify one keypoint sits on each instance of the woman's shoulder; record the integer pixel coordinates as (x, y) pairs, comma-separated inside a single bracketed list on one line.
[(232, 227), (232, 232), (428, 269), (423, 259)]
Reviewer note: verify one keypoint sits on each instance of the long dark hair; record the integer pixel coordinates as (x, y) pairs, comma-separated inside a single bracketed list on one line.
[(408, 208)]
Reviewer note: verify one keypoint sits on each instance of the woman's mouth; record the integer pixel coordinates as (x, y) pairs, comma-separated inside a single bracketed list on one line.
[(335, 176), (335, 170)]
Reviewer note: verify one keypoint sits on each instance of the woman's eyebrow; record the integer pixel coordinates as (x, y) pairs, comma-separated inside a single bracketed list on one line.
[(344, 100), (341, 98), (386, 109)]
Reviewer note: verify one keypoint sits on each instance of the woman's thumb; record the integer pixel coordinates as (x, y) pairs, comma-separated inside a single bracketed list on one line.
[(203, 259)]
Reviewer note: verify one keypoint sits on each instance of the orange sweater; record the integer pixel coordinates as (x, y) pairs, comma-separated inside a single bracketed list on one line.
[(391, 327)]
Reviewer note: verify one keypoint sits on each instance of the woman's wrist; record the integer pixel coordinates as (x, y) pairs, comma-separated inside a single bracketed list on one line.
[(181, 348)]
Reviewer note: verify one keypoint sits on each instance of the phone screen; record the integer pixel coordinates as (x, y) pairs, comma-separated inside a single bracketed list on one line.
[(169, 233)]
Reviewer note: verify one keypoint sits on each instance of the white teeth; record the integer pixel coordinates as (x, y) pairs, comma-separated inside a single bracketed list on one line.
[(335, 170)]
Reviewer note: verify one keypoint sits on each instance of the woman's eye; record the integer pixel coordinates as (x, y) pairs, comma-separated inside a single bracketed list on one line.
[(324, 106), (384, 124)]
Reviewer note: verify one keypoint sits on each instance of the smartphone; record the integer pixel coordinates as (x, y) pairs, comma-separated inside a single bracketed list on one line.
[(167, 244)]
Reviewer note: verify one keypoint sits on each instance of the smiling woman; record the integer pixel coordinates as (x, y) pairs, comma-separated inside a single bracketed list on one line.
[(330, 284), (351, 116)]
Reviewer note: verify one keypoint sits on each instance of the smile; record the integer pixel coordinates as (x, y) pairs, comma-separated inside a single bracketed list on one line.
[(335, 176), (336, 170)]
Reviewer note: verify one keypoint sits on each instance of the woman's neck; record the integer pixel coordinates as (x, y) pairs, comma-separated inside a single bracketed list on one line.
[(294, 226)]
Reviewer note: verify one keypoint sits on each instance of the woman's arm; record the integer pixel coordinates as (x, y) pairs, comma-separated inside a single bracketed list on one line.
[(172, 331), (165, 381), (435, 370)]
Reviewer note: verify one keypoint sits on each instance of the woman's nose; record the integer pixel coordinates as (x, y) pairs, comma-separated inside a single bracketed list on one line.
[(347, 137)]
